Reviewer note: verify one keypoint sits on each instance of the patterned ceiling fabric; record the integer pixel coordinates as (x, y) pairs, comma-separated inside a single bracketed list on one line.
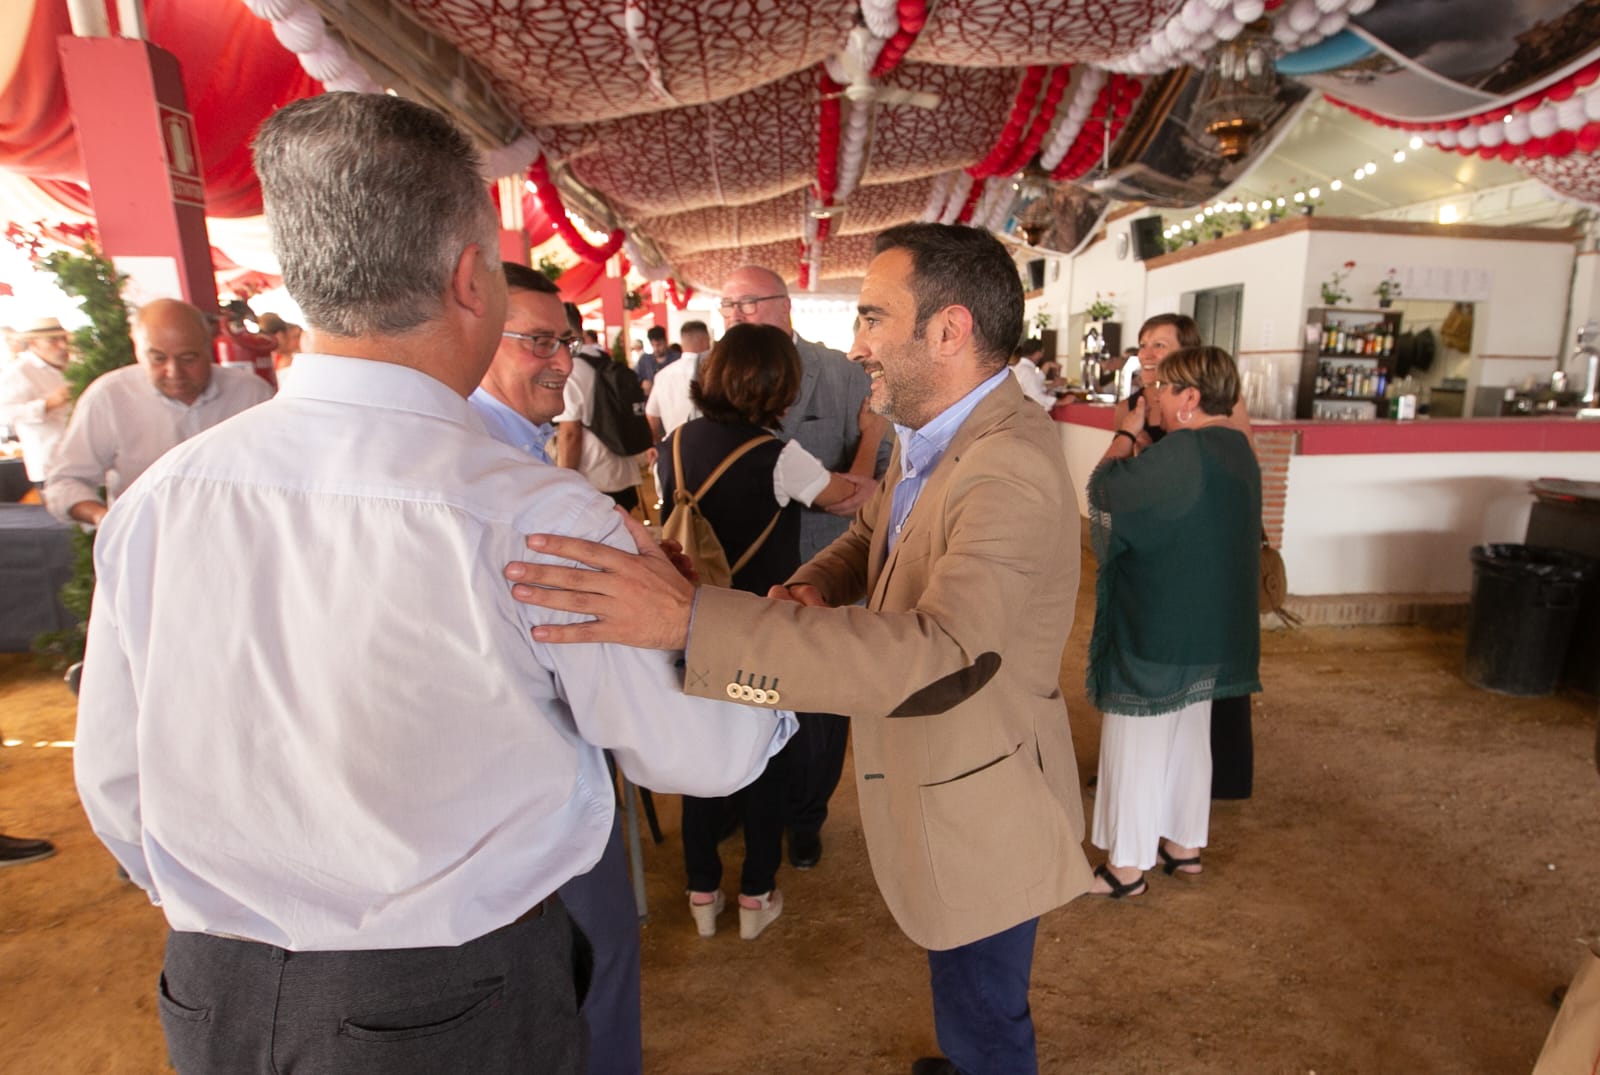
[(728, 225), (1575, 177), (913, 143), (990, 33), (708, 269), (745, 149), (575, 62), (873, 208), (847, 255)]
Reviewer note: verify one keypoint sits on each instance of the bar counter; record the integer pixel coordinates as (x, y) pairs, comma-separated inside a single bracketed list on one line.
[(1384, 507)]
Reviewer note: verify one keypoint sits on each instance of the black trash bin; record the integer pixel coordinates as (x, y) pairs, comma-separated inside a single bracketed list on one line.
[(1524, 604)]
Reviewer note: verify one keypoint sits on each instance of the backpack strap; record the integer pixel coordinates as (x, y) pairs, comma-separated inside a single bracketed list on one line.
[(755, 546), (722, 467)]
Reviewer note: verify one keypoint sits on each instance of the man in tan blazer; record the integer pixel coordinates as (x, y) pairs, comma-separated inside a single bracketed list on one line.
[(968, 558)]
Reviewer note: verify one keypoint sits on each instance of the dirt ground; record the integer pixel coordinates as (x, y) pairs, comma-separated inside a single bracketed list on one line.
[(1402, 895)]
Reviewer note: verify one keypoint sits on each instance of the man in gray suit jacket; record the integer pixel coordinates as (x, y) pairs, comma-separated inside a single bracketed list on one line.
[(831, 420)]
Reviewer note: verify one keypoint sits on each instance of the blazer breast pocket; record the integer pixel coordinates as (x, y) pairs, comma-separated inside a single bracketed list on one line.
[(983, 838)]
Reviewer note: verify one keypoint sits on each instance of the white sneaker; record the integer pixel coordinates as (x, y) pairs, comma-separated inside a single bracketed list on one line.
[(705, 914), (752, 920)]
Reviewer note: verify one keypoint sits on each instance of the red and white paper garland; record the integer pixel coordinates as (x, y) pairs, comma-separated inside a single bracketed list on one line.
[(1561, 119)]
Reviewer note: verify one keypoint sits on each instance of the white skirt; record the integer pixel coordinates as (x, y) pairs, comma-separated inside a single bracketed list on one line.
[(1155, 782)]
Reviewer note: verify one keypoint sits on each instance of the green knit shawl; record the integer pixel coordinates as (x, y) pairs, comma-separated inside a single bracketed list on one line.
[(1177, 533)]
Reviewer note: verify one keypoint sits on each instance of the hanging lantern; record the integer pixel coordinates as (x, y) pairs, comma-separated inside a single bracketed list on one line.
[(1033, 211), (1238, 93)]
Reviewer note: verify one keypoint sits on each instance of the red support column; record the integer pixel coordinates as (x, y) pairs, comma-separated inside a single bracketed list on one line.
[(514, 246), (143, 163), (612, 303)]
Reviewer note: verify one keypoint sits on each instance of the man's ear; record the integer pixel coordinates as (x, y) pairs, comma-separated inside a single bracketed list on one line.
[(951, 328), (469, 284)]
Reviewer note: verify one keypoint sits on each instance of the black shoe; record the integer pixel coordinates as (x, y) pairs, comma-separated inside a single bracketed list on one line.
[(805, 849), (14, 851), (934, 1065)]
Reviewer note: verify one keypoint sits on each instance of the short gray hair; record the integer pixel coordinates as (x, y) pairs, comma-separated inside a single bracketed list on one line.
[(371, 199)]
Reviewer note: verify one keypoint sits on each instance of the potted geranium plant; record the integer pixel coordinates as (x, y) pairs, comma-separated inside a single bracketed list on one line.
[(1333, 292), (1101, 309), (1388, 289)]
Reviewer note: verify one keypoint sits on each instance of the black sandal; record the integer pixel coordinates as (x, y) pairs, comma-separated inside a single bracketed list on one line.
[(1171, 866), (1119, 889)]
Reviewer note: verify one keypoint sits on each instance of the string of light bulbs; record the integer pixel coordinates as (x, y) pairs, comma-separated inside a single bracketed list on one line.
[(1302, 199)]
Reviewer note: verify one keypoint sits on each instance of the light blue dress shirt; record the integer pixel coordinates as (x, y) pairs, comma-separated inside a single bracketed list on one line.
[(921, 450), (312, 714), (510, 427)]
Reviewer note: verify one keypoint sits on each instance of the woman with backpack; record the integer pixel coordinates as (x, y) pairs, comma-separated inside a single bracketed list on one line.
[(750, 487)]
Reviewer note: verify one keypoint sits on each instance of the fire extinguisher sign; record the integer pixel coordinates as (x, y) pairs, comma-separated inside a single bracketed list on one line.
[(183, 156)]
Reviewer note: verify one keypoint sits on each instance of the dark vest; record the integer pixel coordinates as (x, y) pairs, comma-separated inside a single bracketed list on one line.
[(741, 504)]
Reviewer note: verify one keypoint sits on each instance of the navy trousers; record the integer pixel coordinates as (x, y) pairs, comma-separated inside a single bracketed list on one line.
[(601, 903), (980, 1003)]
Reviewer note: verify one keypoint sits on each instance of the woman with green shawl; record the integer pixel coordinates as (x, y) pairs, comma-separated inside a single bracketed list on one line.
[(1177, 535)]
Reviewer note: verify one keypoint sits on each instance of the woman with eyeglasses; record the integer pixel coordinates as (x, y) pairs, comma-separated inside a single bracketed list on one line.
[(1177, 531)]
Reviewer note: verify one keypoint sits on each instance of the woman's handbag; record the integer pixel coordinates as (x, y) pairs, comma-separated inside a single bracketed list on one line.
[(1275, 584)]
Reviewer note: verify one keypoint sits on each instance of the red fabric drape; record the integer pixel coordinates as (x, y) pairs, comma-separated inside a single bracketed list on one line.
[(235, 73), (580, 283), (36, 135)]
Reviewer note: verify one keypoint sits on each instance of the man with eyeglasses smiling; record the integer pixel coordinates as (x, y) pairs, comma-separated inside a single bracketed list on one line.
[(518, 400), (522, 393)]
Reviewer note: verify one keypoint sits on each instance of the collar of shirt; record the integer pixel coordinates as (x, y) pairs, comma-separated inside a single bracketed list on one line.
[(207, 394), (341, 379), (921, 450), (509, 426)]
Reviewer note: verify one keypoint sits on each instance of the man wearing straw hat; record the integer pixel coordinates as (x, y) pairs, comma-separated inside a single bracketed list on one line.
[(35, 399)]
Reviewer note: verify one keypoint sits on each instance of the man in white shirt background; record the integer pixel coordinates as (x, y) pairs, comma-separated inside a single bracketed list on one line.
[(1030, 376), (669, 405), (354, 809), (128, 418), (35, 398)]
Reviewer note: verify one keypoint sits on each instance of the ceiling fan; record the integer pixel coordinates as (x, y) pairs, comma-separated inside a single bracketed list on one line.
[(853, 69)]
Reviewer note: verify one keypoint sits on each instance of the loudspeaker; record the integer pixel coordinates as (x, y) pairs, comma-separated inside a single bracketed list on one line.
[(1146, 233), (1036, 274)]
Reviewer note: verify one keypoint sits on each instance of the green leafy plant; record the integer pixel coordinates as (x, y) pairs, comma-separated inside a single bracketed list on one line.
[(551, 268), (1101, 309), (100, 347), (1388, 288), (1041, 321), (1333, 292)]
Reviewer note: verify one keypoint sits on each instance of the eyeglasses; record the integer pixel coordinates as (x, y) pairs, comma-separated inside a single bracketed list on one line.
[(745, 306), (543, 345), (1157, 385)]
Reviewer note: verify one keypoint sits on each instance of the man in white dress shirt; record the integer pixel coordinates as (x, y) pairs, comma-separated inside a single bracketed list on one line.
[(354, 808), (128, 418), (669, 405), (1030, 377), (35, 398)]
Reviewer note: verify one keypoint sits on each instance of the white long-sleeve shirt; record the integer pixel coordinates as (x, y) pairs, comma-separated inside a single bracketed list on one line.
[(121, 424), (1031, 379), (312, 714), (23, 387)]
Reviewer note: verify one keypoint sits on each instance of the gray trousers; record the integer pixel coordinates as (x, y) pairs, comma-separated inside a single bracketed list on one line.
[(506, 1002)]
